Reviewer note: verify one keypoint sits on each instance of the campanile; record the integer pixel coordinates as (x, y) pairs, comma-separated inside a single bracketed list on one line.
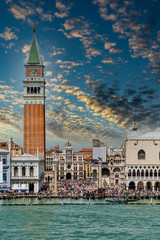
[(34, 102)]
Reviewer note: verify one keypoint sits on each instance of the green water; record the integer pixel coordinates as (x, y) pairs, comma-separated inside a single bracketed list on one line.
[(117, 222)]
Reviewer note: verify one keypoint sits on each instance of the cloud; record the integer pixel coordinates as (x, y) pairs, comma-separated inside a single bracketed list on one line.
[(21, 13), (81, 29), (46, 17), (108, 61), (48, 73), (8, 34), (56, 51), (68, 64), (26, 48), (63, 9), (108, 45)]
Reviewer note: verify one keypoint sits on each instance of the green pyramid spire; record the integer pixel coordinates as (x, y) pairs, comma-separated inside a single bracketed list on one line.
[(34, 57)]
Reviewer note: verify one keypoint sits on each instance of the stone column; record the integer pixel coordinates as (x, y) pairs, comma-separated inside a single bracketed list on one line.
[(12, 171), (100, 175), (55, 178)]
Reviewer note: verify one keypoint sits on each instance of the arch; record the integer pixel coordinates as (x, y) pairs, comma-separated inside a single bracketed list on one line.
[(141, 154), (151, 173), (105, 171), (132, 185), (159, 173), (146, 173), (23, 171), (116, 169), (157, 186), (31, 90), (49, 179), (134, 172), (94, 175), (35, 90), (142, 173), (68, 176), (129, 173), (28, 90), (31, 171), (31, 187), (149, 185), (138, 173), (155, 173), (38, 89), (140, 185), (15, 171)]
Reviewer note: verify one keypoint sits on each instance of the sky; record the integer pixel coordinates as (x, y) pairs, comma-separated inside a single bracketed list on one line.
[(102, 68)]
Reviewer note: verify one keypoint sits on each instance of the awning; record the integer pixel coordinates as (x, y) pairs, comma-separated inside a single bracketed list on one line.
[(23, 190)]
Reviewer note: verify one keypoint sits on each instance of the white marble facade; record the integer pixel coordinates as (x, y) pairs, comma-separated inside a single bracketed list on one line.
[(27, 172), (143, 160)]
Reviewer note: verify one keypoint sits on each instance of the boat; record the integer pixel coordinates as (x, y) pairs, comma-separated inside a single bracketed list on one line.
[(117, 200)]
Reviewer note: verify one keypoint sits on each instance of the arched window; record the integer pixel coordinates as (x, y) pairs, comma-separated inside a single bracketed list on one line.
[(23, 171), (31, 172), (28, 89), (155, 173), (38, 89), (141, 154), (138, 173), (129, 173), (31, 89), (35, 90), (151, 173), (142, 173), (134, 173), (15, 171)]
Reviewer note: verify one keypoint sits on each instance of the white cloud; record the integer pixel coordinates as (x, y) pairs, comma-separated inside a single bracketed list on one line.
[(108, 45), (8, 34), (48, 73), (26, 48)]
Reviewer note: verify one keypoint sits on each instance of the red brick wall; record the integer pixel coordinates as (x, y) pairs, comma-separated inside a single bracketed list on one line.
[(34, 115)]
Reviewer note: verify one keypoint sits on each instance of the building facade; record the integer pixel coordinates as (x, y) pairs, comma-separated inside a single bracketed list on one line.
[(5, 159), (16, 150), (70, 165), (27, 172), (143, 160)]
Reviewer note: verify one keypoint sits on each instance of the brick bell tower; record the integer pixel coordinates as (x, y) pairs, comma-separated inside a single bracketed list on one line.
[(34, 102)]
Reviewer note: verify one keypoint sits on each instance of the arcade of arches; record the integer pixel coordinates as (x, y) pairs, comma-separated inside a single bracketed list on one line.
[(143, 177)]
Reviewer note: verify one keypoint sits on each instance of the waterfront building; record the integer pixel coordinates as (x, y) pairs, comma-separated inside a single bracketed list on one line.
[(16, 150), (142, 160), (112, 172), (27, 172), (49, 168), (28, 169), (87, 158), (69, 164), (5, 158)]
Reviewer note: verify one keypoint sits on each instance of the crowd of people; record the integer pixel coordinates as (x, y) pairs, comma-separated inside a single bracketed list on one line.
[(86, 188)]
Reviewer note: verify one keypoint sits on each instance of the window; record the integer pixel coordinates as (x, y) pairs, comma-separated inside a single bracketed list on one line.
[(4, 177), (31, 171), (141, 154), (4, 161), (15, 171), (23, 171)]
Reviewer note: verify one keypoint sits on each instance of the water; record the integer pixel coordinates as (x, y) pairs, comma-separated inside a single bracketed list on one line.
[(119, 222)]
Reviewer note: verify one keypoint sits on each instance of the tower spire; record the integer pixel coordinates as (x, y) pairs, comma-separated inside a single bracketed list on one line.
[(34, 56)]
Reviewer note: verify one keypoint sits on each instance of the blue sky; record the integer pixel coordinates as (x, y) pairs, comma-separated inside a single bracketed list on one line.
[(102, 67)]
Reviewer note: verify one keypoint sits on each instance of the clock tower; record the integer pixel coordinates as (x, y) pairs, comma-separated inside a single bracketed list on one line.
[(34, 102)]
